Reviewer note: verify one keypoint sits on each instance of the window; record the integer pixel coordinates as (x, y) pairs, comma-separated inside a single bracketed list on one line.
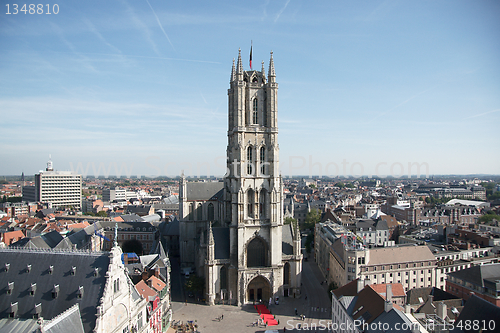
[(211, 212), (249, 161), (250, 202), (255, 109), (262, 161)]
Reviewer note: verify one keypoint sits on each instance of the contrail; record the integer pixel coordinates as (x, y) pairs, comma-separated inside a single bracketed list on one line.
[(281, 11), (159, 23), (482, 114)]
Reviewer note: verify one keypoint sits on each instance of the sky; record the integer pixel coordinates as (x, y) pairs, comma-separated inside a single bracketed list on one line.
[(139, 88)]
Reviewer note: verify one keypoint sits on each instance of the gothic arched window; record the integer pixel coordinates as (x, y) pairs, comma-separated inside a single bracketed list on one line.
[(262, 161), (255, 109), (250, 202), (286, 274), (211, 212), (256, 253), (223, 278), (262, 203), (249, 161), (199, 213)]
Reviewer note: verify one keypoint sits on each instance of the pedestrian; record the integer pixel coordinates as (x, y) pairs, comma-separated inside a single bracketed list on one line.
[(296, 311), (284, 329), (222, 316)]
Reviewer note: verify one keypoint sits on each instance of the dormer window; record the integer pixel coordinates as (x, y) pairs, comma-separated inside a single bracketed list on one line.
[(28, 268), (10, 287), (33, 289), (13, 310), (7, 266), (55, 291), (96, 271), (51, 269), (37, 311), (79, 294), (73, 270)]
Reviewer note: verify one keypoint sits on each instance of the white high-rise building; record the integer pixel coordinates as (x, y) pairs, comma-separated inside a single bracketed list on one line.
[(58, 188)]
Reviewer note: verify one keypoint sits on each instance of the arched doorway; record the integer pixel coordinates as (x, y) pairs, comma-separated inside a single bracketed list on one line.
[(259, 289)]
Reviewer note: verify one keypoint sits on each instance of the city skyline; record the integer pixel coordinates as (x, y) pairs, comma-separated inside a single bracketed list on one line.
[(144, 85)]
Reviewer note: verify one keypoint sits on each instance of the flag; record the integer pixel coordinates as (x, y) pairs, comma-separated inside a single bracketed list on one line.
[(251, 56)]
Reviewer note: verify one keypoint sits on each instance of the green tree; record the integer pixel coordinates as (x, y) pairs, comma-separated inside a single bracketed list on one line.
[(312, 186), (309, 242), (312, 217), (488, 218), (340, 184), (102, 214), (195, 284), (289, 220)]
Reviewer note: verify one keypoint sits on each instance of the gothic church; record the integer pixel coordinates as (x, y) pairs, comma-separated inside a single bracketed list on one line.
[(232, 232)]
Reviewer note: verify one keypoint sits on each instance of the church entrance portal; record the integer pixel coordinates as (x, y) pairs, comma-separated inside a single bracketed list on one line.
[(258, 289)]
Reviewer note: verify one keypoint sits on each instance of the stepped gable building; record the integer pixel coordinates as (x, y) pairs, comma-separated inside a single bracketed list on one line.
[(68, 291), (232, 232)]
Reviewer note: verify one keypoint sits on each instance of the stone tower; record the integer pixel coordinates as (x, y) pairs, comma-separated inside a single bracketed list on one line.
[(253, 190)]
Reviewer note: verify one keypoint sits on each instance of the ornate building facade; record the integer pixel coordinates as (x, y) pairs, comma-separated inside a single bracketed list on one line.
[(232, 232)]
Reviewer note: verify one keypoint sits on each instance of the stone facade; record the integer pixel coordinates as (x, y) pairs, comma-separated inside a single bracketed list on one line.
[(236, 226)]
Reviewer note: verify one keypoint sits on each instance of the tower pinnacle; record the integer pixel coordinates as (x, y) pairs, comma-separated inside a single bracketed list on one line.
[(239, 66), (272, 73), (233, 73)]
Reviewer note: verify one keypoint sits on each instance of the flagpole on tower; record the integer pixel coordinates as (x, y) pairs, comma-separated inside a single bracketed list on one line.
[(251, 45)]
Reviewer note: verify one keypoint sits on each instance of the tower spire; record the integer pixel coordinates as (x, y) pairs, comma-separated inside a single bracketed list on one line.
[(233, 72), (272, 73)]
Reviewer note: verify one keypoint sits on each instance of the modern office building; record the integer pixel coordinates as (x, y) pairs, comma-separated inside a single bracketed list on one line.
[(58, 188)]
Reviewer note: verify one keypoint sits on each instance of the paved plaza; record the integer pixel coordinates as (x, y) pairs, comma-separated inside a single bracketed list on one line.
[(240, 319)]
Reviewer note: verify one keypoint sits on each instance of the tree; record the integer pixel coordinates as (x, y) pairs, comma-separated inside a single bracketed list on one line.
[(488, 217), (195, 284), (312, 186), (102, 214), (309, 242), (312, 217), (289, 220)]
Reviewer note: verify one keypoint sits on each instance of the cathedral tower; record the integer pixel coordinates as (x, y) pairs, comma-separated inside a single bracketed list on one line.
[(253, 186)]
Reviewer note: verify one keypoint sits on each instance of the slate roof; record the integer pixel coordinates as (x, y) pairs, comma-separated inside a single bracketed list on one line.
[(204, 191), (131, 218), (393, 317), (170, 229), (477, 274), (413, 295), (287, 239), (478, 309), (8, 325), (62, 262), (69, 321), (222, 244)]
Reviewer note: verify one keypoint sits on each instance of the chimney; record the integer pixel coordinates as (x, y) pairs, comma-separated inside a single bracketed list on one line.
[(441, 310), (388, 298), (360, 285), (157, 271)]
